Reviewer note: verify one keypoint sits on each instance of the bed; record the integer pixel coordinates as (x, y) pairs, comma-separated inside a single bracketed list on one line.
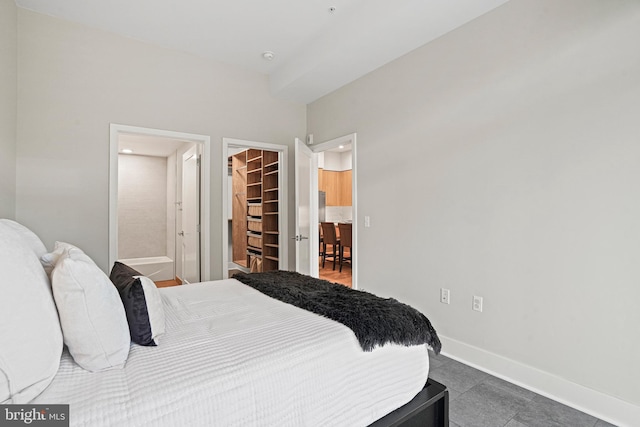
[(233, 356)]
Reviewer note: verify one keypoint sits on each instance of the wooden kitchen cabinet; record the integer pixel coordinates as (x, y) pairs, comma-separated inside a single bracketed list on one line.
[(344, 196), (337, 186)]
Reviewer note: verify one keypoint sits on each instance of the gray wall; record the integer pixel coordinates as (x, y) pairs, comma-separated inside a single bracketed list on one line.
[(8, 107), (75, 81), (142, 206), (502, 160)]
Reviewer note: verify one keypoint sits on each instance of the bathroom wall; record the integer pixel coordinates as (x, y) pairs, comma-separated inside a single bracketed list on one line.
[(171, 205), (142, 206)]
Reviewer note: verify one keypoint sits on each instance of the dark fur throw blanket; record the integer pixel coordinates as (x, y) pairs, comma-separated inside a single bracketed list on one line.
[(374, 320)]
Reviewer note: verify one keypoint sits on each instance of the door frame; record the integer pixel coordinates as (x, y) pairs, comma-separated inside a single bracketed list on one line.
[(115, 130), (194, 149), (283, 198), (327, 145)]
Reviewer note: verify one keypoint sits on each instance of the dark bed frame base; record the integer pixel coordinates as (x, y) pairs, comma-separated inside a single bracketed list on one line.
[(430, 408)]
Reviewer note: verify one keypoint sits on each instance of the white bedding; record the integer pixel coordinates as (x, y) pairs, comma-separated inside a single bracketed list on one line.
[(232, 356)]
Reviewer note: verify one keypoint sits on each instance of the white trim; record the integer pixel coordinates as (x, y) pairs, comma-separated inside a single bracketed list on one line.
[(283, 197), (334, 143), (587, 400), (314, 236), (114, 132)]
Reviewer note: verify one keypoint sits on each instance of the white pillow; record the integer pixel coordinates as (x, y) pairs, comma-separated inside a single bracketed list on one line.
[(30, 335), (27, 236), (50, 259), (91, 313)]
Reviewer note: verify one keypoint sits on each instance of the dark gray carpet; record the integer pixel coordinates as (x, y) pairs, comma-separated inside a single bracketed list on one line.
[(477, 399)]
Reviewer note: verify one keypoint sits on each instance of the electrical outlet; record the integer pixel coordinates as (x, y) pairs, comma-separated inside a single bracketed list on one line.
[(477, 303), (444, 296)]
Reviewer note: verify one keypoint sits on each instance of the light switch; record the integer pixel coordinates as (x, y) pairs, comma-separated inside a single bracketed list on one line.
[(367, 221)]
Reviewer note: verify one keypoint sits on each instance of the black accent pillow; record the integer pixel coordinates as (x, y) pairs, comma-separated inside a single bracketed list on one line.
[(132, 292)]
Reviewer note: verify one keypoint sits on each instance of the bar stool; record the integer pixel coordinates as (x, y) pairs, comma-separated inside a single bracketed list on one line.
[(345, 242), (329, 238)]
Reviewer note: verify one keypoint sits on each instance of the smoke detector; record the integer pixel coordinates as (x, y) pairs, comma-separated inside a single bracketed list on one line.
[(268, 55)]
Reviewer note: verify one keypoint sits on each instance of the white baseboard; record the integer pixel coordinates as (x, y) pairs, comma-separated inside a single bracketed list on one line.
[(233, 266), (592, 402)]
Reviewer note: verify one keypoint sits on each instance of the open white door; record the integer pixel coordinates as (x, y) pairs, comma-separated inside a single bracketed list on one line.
[(190, 216), (307, 234)]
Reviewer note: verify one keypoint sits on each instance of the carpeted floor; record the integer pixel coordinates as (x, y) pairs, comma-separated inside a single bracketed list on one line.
[(477, 399)]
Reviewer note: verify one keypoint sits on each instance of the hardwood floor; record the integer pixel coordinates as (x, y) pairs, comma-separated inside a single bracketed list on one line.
[(234, 271), (167, 283), (327, 273)]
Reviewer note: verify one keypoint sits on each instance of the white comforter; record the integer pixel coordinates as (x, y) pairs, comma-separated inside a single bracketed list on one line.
[(232, 356)]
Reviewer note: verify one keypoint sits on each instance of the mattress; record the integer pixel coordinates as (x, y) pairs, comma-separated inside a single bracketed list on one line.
[(232, 356)]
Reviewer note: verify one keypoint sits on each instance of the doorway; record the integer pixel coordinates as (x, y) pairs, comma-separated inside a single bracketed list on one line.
[(159, 203), (255, 232), (337, 178)]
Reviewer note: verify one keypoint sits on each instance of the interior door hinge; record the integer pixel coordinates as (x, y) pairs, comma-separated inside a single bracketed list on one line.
[(198, 228)]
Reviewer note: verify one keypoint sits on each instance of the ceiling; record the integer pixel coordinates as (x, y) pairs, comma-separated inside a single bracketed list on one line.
[(144, 145), (341, 149), (316, 51)]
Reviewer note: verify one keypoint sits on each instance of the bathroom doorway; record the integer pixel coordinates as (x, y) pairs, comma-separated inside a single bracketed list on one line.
[(159, 210)]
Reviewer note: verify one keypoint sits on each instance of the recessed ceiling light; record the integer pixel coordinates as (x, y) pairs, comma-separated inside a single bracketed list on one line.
[(268, 55), (127, 150), (341, 147)]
